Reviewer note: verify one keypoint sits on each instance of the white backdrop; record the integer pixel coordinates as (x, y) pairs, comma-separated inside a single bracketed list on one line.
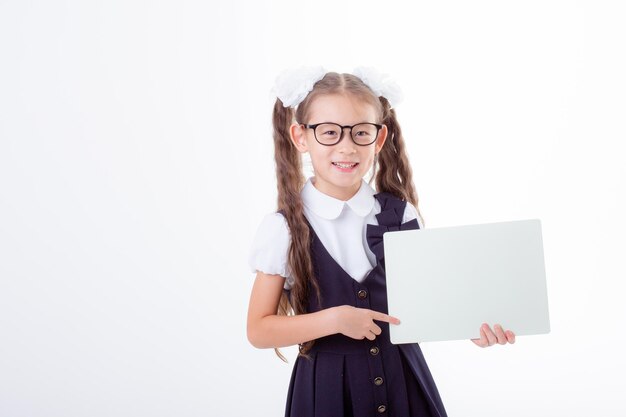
[(136, 163)]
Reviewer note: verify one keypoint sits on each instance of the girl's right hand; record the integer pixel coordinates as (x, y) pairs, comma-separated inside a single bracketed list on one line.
[(358, 323)]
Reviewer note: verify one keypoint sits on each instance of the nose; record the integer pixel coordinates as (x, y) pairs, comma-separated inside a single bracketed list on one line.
[(346, 144)]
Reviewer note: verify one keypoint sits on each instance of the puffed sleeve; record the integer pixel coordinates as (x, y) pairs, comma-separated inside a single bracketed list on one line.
[(269, 249), (410, 213)]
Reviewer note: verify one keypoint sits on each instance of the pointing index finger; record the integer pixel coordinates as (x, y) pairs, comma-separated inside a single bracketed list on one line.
[(385, 317)]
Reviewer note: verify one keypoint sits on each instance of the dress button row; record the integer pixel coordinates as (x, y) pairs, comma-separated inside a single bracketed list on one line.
[(362, 294), (378, 381), (382, 409), (374, 350)]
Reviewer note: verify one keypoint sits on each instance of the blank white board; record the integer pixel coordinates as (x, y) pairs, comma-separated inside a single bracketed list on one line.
[(443, 283)]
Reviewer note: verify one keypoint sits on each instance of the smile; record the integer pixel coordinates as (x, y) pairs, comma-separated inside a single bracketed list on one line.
[(345, 166)]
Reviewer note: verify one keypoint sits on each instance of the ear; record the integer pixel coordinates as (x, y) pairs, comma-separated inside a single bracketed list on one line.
[(297, 135), (382, 137)]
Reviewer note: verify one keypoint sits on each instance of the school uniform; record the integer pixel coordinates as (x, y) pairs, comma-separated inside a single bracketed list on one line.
[(342, 376)]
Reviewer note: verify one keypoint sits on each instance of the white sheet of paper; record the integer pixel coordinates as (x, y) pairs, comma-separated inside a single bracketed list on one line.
[(443, 283)]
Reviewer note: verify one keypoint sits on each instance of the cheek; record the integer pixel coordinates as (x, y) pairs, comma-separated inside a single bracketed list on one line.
[(318, 156), (368, 158)]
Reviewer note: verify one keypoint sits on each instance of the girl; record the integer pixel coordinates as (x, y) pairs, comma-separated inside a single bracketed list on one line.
[(320, 277)]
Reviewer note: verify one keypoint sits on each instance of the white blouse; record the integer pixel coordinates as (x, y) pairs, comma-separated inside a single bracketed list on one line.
[(340, 225)]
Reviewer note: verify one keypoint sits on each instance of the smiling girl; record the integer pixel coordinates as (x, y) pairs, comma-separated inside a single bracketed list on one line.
[(320, 279)]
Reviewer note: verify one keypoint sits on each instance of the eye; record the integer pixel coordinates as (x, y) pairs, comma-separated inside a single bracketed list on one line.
[(364, 131), (327, 131)]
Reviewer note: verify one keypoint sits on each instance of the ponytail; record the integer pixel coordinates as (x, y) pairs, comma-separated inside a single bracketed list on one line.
[(395, 175), (290, 182)]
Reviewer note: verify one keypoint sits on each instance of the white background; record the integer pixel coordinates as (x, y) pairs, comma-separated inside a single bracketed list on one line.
[(136, 163)]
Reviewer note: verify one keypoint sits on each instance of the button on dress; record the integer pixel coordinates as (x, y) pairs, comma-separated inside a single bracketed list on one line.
[(341, 376)]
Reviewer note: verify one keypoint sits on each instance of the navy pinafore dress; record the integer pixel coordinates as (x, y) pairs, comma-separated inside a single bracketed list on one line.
[(344, 377)]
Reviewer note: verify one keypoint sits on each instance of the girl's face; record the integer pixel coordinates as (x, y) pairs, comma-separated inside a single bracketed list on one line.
[(341, 182)]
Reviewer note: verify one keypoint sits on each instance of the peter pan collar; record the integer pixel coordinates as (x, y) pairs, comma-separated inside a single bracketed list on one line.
[(330, 208)]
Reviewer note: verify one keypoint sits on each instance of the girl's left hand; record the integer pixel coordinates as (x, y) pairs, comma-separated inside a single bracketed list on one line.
[(490, 338)]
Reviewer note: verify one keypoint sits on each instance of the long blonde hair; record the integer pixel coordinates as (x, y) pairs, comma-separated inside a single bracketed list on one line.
[(391, 172)]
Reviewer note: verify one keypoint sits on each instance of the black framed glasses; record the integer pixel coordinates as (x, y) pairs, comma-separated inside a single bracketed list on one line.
[(329, 134)]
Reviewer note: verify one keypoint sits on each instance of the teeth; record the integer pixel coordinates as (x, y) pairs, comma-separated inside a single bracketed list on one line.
[(344, 165)]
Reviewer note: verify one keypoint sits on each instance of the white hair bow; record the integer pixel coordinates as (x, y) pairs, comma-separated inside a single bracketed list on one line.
[(380, 84), (293, 85)]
